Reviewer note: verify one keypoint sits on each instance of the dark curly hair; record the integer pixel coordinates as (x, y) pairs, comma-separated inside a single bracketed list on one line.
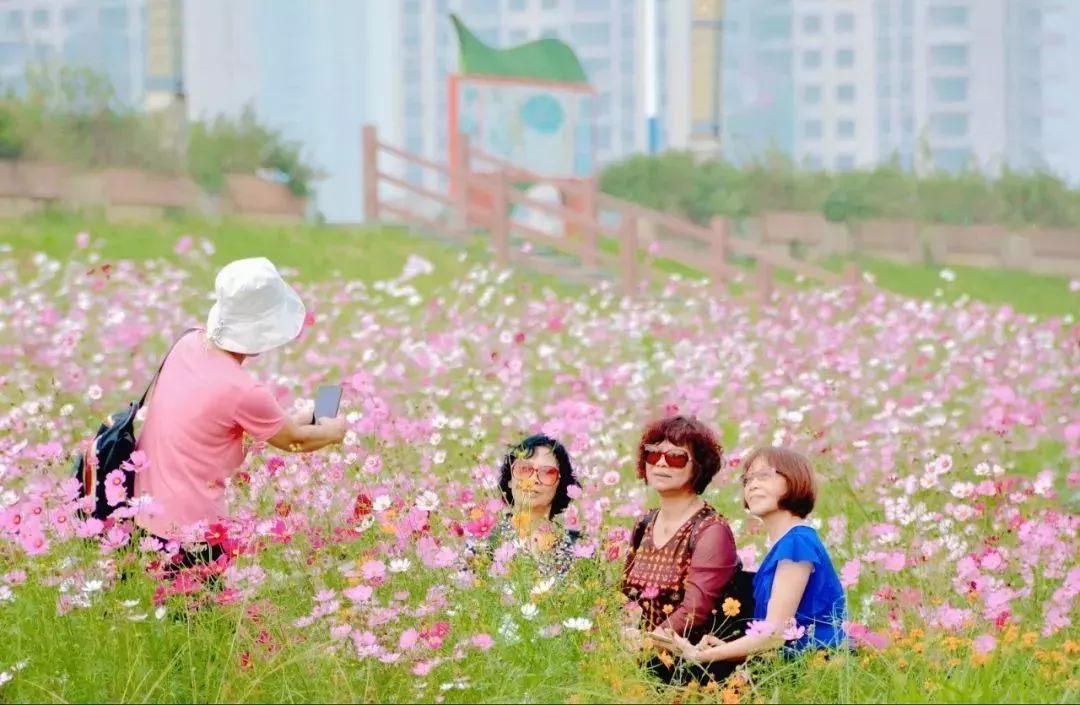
[(689, 433), (526, 449)]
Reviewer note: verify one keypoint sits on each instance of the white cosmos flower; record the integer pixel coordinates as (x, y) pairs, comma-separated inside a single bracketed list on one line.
[(159, 613), (580, 624), (544, 586), (399, 565), (381, 503), (92, 586), (529, 610), (428, 501)]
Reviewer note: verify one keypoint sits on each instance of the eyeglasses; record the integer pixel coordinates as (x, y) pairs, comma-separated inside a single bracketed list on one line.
[(545, 474), (675, 458), (763, 475)]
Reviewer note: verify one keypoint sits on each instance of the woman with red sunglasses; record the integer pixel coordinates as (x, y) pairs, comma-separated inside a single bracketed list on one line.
[(682, 555), (535, 478)]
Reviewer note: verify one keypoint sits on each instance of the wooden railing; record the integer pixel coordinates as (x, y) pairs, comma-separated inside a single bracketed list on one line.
[(600, 231)]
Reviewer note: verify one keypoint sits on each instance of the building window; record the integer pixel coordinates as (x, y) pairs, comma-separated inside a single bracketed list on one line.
[(480, 7), (14, 20), (845, 93), (845, 22), (12, 53), (948, 16), (812, 129), (845, 162), (113, 18), (952, 159), (845, 129), (40, 18), (811, 59), (811, 24), (950, 90), (592, 34), (811, 95), (518, 36), (949, 124), (949, 55), (845, 58), (71, 15), (517, 5), (592, 5), (813, 162), (550, 4), (775, 27)]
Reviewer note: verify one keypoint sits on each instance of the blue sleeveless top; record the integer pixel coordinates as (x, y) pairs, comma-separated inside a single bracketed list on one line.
[(822, 608)]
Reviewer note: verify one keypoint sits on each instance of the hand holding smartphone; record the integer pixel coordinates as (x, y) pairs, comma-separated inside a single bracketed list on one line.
[(327, 402)]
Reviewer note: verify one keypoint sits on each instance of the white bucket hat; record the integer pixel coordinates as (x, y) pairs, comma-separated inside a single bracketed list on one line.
[(256, 310)]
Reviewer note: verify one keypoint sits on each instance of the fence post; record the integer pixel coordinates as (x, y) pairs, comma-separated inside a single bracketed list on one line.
[(461, 182), (500, 218), (718, 254), (371, 173), (591, 220), (852, 276), (628, 247), (764, 280)]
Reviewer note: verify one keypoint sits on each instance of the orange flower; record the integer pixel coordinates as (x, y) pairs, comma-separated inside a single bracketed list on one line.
[(731, 607), (668, 609), (1071, 647), (520, 521), (544, 540), (665, 658)]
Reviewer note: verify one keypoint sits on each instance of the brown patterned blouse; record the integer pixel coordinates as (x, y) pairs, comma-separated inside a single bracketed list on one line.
[(675, 588)]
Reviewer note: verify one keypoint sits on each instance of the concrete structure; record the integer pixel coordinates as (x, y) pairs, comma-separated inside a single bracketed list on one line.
[(107, 36)]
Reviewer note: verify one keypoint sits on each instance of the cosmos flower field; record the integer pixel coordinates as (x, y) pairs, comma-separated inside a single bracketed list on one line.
[(946, 438)]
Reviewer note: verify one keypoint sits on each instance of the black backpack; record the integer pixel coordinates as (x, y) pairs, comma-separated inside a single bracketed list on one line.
[(110, 448), (740, 587)]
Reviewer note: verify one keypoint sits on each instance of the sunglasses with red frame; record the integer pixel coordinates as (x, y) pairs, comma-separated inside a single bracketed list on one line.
[(545, 474), (675, 458)]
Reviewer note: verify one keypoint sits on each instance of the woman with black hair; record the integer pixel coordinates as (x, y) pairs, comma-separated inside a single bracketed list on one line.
[(535, 479)]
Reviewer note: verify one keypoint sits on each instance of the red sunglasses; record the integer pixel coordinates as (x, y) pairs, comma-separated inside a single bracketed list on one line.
[(675, 458), (545, 474)]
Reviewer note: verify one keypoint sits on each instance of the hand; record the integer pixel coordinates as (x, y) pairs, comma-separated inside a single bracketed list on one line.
[(302, 418), (708, 641), (684, 648), (335, 426), (632, 639)]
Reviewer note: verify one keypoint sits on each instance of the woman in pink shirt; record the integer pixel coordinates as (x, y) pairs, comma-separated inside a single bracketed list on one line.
[(204, 401)]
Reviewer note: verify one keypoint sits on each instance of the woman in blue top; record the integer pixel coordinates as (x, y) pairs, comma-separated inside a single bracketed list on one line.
[(798, 596)]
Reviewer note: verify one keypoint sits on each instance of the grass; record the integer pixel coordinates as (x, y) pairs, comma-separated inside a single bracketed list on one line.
[(370, 254)]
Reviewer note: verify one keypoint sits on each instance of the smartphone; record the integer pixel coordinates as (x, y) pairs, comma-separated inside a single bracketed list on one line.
[(327, 401)]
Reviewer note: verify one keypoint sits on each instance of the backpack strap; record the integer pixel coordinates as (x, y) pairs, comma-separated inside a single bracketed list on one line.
[(639, 529), (153, 380)]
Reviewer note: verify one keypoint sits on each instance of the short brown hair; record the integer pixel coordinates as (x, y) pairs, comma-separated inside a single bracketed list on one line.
[(795, 468), (689, 433)]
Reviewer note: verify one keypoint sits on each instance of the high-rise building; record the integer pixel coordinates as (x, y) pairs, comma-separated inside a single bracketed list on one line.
[(1060, 84), (936, 84), (315, 71), (105, 36)]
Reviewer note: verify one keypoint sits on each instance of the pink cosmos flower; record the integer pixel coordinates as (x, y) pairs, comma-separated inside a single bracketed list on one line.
[(359, 593), (115, 491), (482, 641), (373, 570), (984, 643)]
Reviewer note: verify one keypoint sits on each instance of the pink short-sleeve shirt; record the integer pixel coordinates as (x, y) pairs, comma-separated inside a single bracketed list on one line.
[(202, 405)]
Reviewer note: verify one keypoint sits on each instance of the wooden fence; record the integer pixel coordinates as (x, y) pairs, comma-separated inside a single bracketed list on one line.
[(599, 232)]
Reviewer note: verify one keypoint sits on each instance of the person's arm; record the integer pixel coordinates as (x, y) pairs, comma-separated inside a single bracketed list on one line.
[(260, 415), (789, 584), (712, 566), (310, 437)]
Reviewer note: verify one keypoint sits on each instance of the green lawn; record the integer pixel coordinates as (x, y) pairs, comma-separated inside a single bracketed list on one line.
[(320, 252)]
